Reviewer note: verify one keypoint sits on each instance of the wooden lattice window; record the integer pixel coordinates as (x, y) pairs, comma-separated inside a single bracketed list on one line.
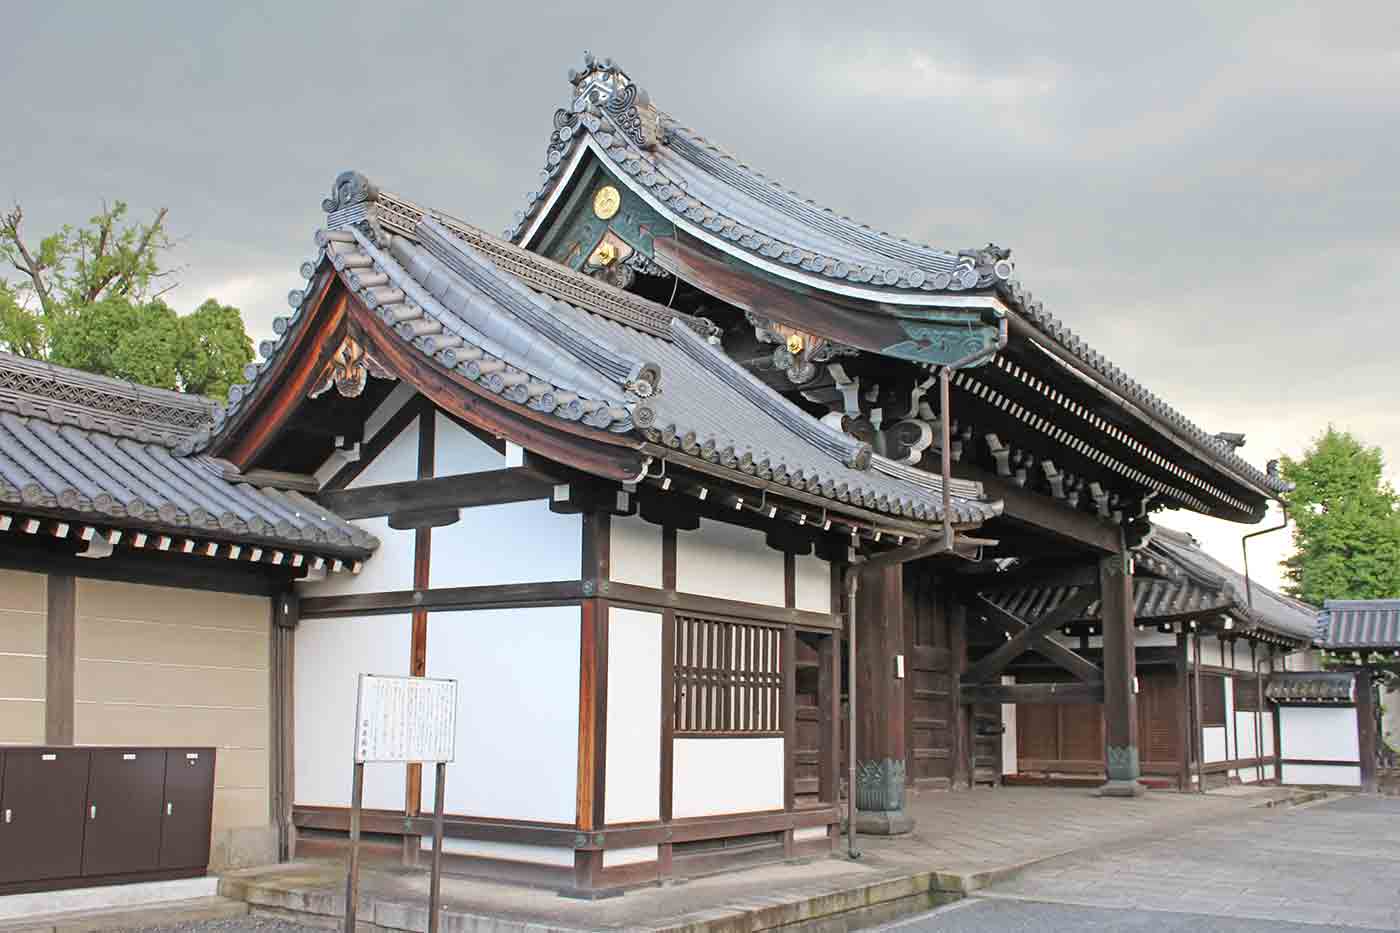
[(728, 678), (1246, 695)]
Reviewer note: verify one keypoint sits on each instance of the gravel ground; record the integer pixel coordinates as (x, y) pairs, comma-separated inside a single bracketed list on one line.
[(235, 925), (988, 916)]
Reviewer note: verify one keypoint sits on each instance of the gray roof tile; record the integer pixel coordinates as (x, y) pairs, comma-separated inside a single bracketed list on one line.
[(1365, 624)]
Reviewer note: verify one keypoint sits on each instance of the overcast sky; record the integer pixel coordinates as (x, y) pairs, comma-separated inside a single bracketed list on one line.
[(1207, 192)]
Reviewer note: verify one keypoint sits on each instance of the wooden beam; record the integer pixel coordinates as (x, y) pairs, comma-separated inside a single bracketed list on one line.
[(1120, 723), (1031, 693), (61, 648), (1043, 513), (463, 491), (1037, 574), (1057, 654), (495, 596), (1025, 640)]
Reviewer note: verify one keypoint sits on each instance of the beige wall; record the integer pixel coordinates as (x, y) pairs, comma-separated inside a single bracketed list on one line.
[(22, 647), (164, 666)]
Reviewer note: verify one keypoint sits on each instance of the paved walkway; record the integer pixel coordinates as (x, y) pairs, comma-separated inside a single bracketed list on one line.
[(964, 841), (1330, 863)]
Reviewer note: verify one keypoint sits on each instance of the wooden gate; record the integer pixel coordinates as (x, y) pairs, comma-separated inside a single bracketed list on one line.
[(929, 683)]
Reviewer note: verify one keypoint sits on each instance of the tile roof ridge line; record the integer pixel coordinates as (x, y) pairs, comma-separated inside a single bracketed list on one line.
[(843, 448), (632, 374)]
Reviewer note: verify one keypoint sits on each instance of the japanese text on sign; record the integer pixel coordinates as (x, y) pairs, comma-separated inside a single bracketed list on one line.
[(405, 719)]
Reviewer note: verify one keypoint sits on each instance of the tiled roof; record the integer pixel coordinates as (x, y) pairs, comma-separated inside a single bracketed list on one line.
[(93, 450), (1195, 585), (697, 182), (1347, 624), (492, 313), (1310, 687)]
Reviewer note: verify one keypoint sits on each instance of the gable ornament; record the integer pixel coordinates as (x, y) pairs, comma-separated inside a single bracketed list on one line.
[(348, 370)]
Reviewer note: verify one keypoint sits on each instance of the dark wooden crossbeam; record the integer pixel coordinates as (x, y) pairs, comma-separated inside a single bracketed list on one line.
[(1043, 512), (1053, 652), (1037, 574), (1031, 637), (492, 487), (1032, 693)]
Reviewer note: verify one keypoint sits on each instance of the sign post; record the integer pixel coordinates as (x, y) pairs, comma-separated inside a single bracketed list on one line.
[(401, 719)]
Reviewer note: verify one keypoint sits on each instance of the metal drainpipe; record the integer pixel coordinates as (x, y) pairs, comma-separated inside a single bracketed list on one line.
[(1244, 546), (900, 556)]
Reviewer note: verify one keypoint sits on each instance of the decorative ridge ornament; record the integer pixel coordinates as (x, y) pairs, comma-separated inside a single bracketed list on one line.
[(350, 189), (348, 369), (604, 85)]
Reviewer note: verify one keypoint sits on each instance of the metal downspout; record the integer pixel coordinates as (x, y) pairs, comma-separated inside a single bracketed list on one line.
[(1244, 546)]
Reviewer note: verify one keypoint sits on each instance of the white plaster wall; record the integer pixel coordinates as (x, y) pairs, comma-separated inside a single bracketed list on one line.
[(330, 656), (635, 557), (1339, 775), (809, 832), (629, 856), (1151, 638), (457, 450), (517, 673), (508, 851), (1213, 743), (391, 566), (715, 776), (729, 562), (520, 542), (1229, 716), (1320, 733), (1266, 734), (1245, 732), (1244, 661), (1268, 772), (1210, 650), (633, 762), (1009, 764), (813, 583)]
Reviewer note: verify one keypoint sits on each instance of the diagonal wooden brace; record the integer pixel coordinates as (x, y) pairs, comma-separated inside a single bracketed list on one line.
[(1032, 637)]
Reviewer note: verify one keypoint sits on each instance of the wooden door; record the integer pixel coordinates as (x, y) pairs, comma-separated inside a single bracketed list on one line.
[(124, 804), (41, 814), (987, 731), (189, 805), (929, 681), (813, 728), (1159, 719)]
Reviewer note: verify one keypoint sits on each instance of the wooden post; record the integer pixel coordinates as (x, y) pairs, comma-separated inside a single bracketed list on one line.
[(1198, 729), (957, 647), (1120, 678), (881, 752), (1366, 728), (1183, 709), (285, 614), (61, 670), (435, 881), (352, 877)]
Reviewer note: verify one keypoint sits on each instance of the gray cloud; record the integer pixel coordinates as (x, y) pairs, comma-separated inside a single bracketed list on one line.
[(1206, 191)]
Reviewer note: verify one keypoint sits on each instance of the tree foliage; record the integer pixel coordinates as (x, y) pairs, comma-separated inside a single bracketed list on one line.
[(1346, 522), (89, 297)]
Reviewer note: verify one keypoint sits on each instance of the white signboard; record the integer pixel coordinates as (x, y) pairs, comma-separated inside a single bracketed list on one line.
[(405, 719)]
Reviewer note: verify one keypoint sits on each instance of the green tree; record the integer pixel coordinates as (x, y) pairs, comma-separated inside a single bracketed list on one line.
[(1346, 522), (90, 297)]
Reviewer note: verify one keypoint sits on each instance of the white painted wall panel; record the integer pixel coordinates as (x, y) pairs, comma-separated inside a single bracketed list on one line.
[(1214, 743), (629, 856), (330, 656), (1210, 650), (508, 851), (521, 542), (633, 772), (397, 463), (1266, 732), (1009, 763), (635, 557), (517, 721), (715, 776), (1229, 716), (1151, 638), (1243, 659), (809, 832), (1245, 732), (456, 450), (813, 579), (729, 562), (1268, 772), (1339, 775), (1325, 733), (389, 568)]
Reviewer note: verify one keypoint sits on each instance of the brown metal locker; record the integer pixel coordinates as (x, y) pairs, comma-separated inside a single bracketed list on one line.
[(41, 813), (124, 806), (189, 799)]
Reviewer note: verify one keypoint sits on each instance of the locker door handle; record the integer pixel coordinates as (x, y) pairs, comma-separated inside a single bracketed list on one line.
[(169, 808), (92, 811)]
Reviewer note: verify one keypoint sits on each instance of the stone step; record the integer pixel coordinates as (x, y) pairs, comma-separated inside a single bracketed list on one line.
[(133, 917)]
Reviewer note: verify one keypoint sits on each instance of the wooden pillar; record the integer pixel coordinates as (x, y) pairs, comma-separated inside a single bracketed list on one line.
[(880, 742), (1120, 678), (286, 611), (61, 666), (1184, 717), (961, 713), (1366, 728), (593, 699)]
